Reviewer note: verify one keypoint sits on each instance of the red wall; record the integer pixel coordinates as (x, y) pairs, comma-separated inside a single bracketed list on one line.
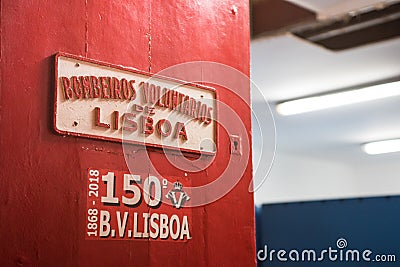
[(43, 174)]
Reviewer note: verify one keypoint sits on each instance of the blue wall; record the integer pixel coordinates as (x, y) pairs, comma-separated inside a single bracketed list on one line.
[(368, 223)]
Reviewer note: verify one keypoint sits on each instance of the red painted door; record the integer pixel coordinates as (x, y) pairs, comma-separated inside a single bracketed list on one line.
[(44, 175)]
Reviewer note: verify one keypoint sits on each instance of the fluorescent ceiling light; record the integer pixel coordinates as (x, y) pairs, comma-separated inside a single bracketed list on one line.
[(339, 99), (382, 147)]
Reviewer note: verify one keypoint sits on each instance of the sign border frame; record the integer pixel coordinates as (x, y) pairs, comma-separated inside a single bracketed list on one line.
[(134, 71)]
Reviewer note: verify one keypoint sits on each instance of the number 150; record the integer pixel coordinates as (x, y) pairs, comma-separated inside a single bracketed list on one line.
[(131, 186)]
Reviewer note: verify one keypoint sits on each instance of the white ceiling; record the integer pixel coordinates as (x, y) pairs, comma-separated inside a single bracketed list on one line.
[(285, 67), (288, 67)]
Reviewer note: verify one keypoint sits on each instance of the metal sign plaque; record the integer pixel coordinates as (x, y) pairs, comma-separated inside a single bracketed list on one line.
[(103, 101)]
